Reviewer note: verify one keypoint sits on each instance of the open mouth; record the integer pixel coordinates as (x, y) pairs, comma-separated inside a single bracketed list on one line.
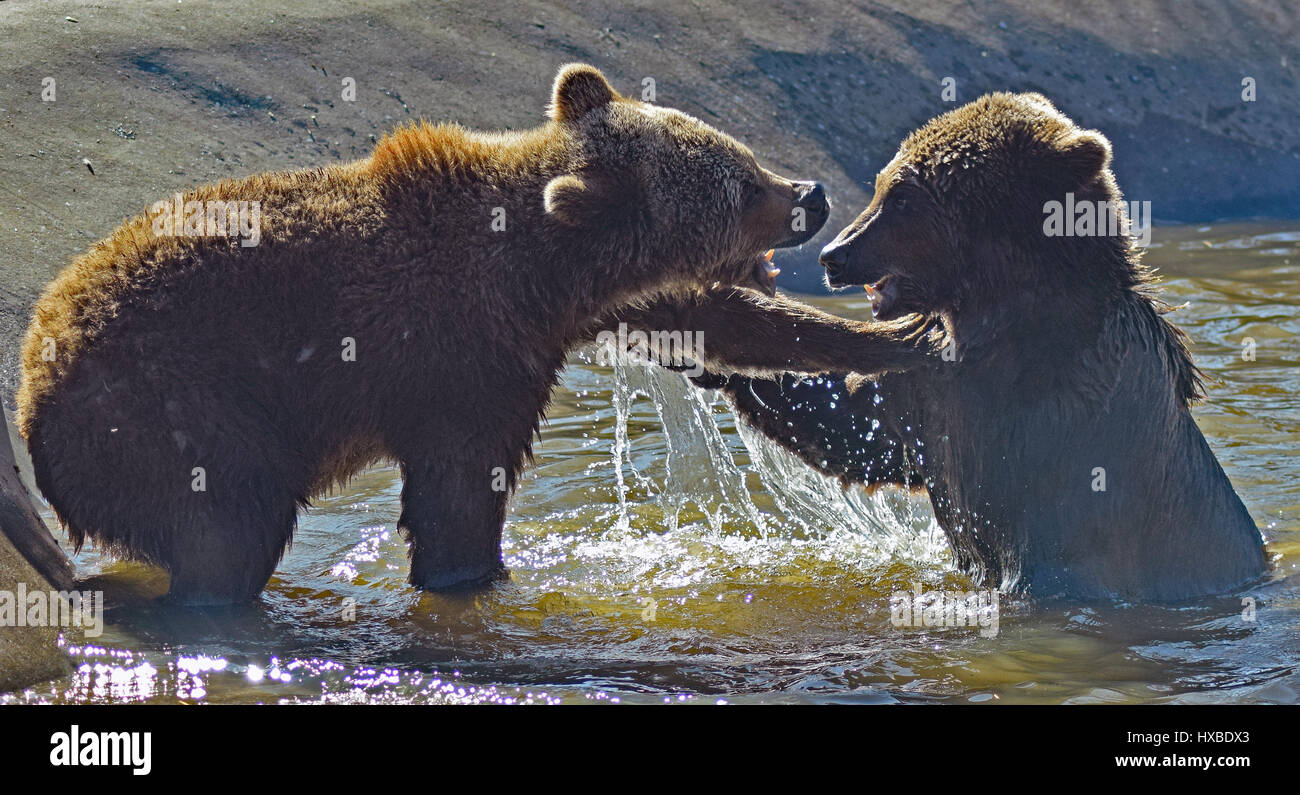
[(764, 272), (883, 294)]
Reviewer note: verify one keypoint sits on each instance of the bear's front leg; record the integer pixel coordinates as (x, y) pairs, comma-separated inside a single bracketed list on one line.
[(452, 514), (753, 334)]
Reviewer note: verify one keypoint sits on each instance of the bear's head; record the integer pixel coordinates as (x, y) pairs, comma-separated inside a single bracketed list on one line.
[(684, 203), (958, 214)]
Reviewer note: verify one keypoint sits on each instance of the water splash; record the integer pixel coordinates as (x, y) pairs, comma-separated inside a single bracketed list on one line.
[(622, 396), (901, 525), (700, 470), (700, 467)]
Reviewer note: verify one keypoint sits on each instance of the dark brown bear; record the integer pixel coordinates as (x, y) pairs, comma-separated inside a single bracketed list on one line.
[(1056, 446), (185, 394)]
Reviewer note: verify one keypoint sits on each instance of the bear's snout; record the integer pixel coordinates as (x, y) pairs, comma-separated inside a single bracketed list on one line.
[(817, 208), (809, 214), (835, 259), (853, 258), (812, 197)]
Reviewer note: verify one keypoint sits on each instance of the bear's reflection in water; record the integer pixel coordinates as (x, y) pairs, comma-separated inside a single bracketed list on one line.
[(775, 591)]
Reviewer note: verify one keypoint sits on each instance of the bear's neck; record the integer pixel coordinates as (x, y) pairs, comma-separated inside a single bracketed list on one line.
[(1044, 351), (1042, 329)]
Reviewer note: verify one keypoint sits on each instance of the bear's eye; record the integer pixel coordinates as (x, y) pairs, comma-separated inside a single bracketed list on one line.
[(751, 193), (900, 202)]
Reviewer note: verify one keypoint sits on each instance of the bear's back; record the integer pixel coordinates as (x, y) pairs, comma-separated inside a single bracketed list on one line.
[(137, 267)]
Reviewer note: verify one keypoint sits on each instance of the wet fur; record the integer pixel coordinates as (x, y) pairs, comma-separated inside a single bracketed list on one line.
[(1065, 362), (180, 352)]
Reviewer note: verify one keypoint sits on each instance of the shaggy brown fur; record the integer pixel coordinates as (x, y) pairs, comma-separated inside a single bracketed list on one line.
[(157, 364), (1065, 372)]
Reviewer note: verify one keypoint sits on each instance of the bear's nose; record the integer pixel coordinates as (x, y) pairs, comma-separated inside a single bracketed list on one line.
[(812, 196), (834, 257)]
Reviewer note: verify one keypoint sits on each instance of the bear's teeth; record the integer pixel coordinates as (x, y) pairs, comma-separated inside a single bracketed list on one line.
[(870, 291), (770, 253), (773, 272)]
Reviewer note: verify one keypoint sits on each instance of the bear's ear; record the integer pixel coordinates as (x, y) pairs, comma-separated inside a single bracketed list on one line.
[(1082, 155), (566, 198), (579, 89), (592, 201)]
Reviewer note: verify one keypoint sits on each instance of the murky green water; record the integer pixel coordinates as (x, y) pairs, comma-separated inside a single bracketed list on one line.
[(707, 566)]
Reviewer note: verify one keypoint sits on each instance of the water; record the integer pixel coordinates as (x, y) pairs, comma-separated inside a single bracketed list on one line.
[(659, 554)]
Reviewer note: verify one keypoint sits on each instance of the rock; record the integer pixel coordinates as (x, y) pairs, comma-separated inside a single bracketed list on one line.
[(21, 525), (27, 654)]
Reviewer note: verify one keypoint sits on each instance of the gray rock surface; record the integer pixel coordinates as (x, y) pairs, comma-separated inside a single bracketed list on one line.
[(27, 654)]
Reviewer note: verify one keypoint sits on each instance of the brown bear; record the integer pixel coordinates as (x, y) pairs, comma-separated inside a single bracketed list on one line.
[(185, 390), (1054, 435)]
